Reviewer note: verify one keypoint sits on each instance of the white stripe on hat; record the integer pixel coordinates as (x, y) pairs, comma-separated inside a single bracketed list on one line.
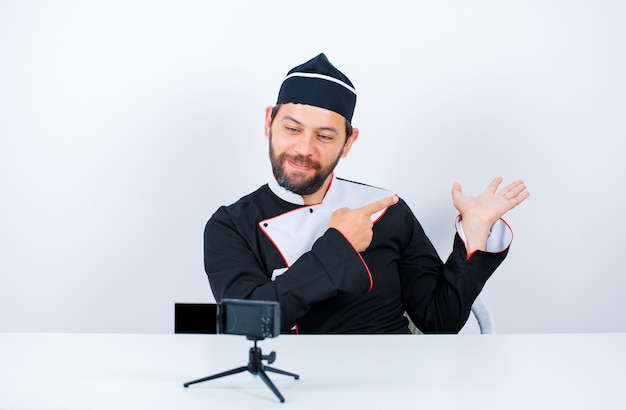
[(323, 77)]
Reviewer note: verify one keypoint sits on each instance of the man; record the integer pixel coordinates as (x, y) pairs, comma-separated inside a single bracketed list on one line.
[(341, 256)]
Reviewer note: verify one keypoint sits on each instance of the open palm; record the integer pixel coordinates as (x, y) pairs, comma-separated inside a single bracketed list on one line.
[(491, 204)]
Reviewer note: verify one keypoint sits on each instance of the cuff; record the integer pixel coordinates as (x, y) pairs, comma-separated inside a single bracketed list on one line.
[(500, 235)]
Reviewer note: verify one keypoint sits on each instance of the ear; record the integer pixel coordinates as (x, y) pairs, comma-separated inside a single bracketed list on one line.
[(349, 142), (268, 121)]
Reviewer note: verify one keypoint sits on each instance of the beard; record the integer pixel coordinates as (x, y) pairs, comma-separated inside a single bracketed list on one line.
[(297, 182)]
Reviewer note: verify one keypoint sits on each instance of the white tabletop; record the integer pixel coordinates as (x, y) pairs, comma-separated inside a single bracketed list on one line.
[(115, 371)]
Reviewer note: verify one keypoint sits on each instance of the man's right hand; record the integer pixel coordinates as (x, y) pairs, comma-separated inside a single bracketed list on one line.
[(356, 225)]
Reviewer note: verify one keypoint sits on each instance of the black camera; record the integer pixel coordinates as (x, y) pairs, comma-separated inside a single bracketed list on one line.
[(256, 319)]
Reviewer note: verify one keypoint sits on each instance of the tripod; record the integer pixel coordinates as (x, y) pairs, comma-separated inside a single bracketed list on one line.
[(255, 366)]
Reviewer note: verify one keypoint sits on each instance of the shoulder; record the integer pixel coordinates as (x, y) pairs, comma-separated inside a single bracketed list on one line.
[(262, 203), (358, 185), (355, 194), (245, 202)]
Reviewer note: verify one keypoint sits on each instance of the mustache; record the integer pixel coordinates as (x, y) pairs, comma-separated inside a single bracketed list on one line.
[(300, 160)]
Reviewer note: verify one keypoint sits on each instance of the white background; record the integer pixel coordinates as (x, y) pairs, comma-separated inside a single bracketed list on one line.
[(124, 125)]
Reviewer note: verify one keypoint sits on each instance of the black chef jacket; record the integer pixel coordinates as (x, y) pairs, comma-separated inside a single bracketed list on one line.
[(270, 246)]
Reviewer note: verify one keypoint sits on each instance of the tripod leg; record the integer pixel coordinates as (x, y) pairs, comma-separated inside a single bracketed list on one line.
[(215, 376), (269, 384), (271, 369)]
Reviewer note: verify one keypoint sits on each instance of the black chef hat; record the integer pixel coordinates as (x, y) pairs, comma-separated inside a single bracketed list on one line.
[(317, 82)]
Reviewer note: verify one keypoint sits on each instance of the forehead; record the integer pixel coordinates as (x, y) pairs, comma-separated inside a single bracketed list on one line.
[(310, 116)]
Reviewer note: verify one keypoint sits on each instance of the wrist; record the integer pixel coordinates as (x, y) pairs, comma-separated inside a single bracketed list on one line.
[(475, 233)]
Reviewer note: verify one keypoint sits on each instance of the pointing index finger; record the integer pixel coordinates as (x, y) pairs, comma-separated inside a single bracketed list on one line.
[(379, 205)]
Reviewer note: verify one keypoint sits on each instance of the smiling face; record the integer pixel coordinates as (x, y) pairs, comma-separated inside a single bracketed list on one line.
[(306, 143)]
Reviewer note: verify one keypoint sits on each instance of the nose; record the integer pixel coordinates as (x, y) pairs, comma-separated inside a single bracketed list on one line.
[(305, 144)]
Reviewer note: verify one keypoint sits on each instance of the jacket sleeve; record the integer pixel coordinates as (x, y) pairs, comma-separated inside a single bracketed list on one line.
[(235, 269), (438, 296)]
